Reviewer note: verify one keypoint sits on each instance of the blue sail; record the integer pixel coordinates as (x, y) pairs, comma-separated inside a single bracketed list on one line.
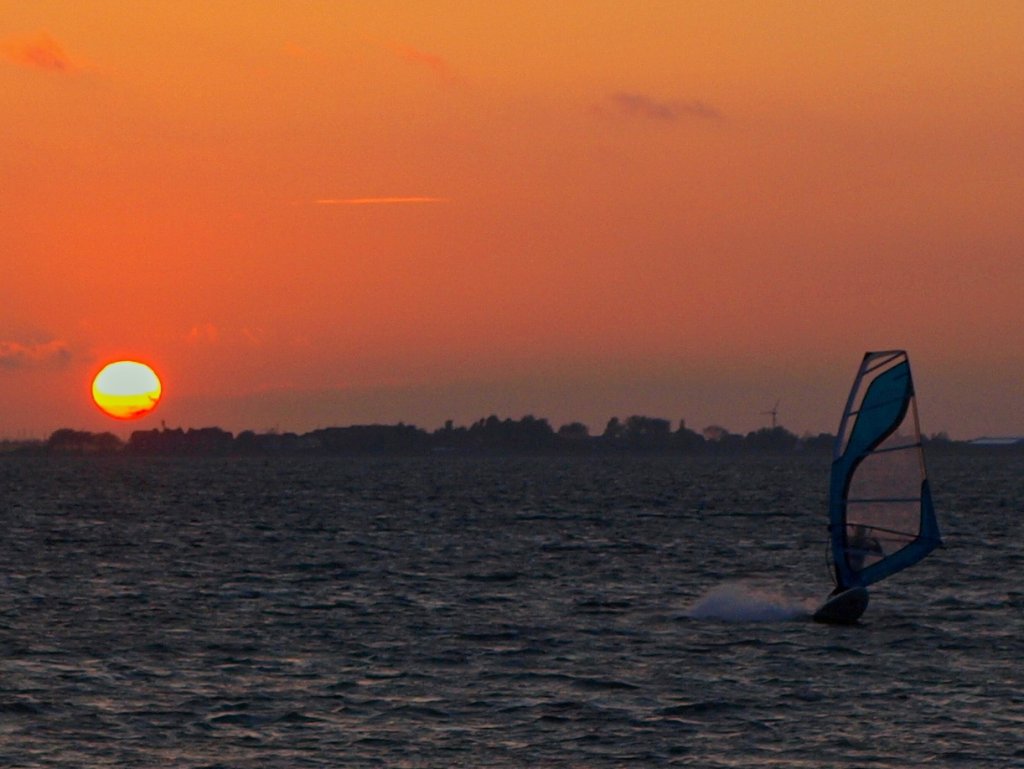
[(881, 516)]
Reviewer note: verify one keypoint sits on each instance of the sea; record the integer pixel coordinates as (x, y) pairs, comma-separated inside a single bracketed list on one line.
[(455, 611)]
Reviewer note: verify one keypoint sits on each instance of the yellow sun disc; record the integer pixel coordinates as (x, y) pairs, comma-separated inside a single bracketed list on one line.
[(126, 389)]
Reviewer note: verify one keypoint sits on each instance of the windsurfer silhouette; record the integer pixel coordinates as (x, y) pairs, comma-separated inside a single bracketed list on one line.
[(861, 546)]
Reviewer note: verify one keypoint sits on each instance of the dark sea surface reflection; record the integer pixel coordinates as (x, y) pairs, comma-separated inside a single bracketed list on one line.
[(493, 613)]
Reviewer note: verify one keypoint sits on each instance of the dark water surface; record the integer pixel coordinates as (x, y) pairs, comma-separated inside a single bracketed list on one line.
[(493, 613)]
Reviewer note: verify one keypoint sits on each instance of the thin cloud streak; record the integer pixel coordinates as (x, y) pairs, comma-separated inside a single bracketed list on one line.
[(383, 201), (211, 335), (643, 106)]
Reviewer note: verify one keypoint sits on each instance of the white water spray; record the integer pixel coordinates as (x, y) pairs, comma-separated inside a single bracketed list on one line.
[(745, 602)]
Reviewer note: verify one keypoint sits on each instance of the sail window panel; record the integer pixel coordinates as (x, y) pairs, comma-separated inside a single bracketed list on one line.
[(868, 544), (885, 492)]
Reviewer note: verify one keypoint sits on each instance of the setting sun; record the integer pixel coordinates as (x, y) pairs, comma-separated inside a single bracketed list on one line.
[(126, 389)]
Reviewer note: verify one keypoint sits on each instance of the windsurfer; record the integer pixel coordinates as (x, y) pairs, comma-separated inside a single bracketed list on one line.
[(861, 546)]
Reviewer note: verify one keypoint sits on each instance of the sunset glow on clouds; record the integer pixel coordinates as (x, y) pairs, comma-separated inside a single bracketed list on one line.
[(39, 51), (576, 210), (431, 61), (14, 355)]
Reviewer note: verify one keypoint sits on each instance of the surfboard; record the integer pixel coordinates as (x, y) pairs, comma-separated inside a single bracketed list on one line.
[(843, 608)]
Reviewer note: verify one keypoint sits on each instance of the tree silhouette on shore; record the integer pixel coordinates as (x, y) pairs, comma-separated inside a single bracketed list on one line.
[(489, 435)]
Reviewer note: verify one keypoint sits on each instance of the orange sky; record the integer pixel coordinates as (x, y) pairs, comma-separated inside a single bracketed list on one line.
[(320, 213)]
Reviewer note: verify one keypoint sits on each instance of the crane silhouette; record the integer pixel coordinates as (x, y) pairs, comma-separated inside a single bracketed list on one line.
[(774, 411)]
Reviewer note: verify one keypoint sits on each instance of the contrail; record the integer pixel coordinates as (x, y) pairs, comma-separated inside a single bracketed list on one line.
[(378, 201)]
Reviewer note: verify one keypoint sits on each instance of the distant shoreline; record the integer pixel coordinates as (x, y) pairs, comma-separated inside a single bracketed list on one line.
[(488, 436)]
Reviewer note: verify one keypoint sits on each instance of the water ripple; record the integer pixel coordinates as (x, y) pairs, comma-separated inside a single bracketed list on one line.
[(499, 612)]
